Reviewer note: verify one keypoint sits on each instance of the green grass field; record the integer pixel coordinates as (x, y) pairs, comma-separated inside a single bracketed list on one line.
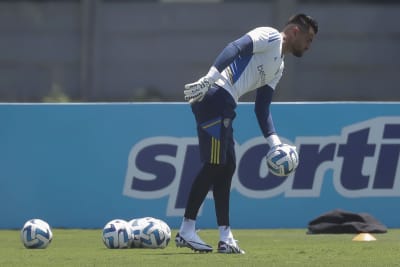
[(282, 247)]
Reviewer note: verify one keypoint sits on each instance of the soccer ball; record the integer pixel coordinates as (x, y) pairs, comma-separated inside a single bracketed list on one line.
[(36, 233), (282, 160), (155, 234), (136, 228), (117, 234), (150, 232)]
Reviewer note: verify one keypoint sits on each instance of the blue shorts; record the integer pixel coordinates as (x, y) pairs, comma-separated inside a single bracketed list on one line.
[(214, 116)]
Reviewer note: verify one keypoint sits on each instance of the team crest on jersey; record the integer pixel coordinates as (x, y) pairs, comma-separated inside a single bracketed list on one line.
[(226, 122)]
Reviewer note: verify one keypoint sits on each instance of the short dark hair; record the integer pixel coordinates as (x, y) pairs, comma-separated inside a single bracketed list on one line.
[(304, 22)]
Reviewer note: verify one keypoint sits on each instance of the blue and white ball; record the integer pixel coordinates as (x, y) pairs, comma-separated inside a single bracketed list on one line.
[(150, 232), (136, 228), (36, 233), (117, 234), (282, 160), (155, 234)]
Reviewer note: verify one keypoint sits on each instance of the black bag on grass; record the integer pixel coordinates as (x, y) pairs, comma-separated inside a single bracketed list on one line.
[(344, 222)]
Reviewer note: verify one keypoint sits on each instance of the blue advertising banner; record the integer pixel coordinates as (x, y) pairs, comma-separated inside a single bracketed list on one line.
[(81, 165)]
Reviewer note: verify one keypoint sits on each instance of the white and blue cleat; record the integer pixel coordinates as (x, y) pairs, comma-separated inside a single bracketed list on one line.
[(193, 242)]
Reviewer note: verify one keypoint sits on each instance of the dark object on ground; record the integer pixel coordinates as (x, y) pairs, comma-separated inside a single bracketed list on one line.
[(344, 222)]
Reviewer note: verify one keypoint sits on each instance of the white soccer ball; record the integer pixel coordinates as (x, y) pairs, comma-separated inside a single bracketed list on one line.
[(282, 160), (155, 235), (36, 233), (137, 225), (117, 234), (167, 230), (150, 232)]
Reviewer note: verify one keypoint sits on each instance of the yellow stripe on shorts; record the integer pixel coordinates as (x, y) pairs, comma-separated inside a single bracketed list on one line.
[(211, 124), (215, 150)]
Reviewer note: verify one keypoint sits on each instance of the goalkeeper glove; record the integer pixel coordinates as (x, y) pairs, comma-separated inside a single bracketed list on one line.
[(197, 90)]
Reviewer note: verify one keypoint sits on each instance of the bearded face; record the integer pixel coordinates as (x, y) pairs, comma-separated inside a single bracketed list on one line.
[(302, 41)]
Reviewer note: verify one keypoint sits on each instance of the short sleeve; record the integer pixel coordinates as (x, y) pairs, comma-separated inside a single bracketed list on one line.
[(262, 37)]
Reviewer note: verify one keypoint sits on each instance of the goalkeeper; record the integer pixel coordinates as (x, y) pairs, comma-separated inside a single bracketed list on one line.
[(252, 62)]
